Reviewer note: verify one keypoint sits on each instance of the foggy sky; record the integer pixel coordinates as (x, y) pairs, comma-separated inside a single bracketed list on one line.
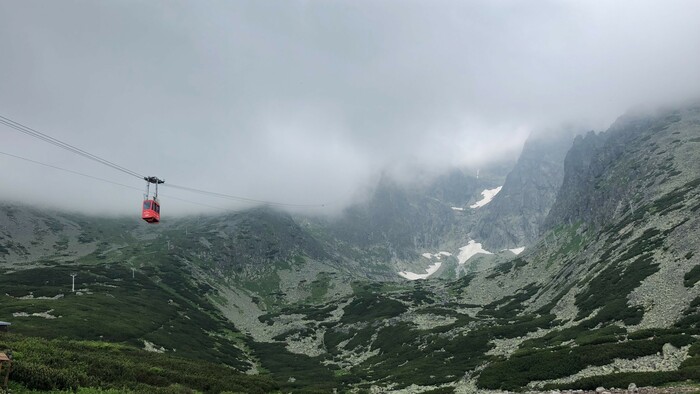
[(306, 102)]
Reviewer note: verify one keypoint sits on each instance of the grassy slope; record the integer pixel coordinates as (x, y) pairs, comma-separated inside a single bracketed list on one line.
[(62, 364), (114, 311)]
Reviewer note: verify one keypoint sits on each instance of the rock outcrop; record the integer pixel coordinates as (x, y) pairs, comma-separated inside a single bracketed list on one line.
[(516, 214)]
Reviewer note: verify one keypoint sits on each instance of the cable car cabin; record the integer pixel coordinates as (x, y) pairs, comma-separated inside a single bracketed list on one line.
[(151, 211)]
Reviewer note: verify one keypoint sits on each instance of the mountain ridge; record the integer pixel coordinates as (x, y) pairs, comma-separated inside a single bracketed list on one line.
[(607, 295), (515, 216)]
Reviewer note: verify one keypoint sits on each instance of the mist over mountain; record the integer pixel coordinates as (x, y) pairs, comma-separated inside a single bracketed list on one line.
[(353, 197), (311, 102), (516, 215), (604, 293)]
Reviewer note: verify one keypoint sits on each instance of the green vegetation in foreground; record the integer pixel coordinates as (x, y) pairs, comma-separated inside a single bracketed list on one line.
[(297, 372), (689, 371), (517, 371), (60, 364), (160, 304), (610, 288), (319, 287), (403, 354)]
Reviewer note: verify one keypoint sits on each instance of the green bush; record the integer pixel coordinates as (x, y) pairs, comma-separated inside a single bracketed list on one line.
[(161, 304), (368, 307), (59, 364), (692, 277), (610, 288), (520, 369), (509, 306), (295, 371)]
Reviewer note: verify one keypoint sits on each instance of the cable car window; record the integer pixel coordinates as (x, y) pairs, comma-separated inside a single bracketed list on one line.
[(146, 205), (157, 208)]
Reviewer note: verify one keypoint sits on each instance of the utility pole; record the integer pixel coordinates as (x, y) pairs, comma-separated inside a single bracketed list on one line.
[(73, 276), (477, 174), (133, 272)]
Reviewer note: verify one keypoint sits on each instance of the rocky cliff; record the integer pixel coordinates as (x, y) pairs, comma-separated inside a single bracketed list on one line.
[(401, 220), (642, 156), (515, 215), (607, 296)]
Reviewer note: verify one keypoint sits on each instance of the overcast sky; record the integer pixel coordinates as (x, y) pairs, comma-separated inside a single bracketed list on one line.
[(305, 102)]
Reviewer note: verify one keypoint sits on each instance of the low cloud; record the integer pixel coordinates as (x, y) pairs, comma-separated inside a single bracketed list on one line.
[(305, 102)]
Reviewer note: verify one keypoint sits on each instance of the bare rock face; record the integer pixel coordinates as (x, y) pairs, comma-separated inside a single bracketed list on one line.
[(401, 219), (611, 173), (514, 217)]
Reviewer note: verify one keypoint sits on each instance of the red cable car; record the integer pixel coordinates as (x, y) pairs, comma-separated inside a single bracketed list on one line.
[(151, 206), (151, 211)]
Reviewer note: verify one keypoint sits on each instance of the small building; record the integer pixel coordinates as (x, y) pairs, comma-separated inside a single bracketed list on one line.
[(4, 326)]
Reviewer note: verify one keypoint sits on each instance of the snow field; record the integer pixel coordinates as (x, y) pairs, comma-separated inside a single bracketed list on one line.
[(488, 195)]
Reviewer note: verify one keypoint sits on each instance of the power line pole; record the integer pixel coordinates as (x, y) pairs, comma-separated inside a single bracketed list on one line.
[(73, 276)]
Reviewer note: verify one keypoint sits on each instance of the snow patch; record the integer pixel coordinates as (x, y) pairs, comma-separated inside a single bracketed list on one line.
[(429, 271), (427, 255), (468, 251), (488, 195), (457, 209), (517, 251)]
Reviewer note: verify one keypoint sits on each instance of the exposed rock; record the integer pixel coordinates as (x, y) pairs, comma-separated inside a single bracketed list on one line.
[(426, 321), (310, 345), (151, 347), (670, 360), (514, 217)]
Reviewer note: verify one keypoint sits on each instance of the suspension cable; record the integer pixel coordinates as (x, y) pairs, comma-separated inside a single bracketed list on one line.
[(242, 199), (105, 180), (67, 170), (54, 141)]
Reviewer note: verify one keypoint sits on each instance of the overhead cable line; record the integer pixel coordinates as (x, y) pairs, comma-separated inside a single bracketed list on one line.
[(243, 199), (44, 137), (102, 179), (70, 171), (197, 203), (39, 135)]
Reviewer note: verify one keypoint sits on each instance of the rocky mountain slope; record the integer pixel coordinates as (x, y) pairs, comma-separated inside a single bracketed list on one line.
[(403, 219), (500, 206), (607, 295), (516, 215), (225, 273)]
